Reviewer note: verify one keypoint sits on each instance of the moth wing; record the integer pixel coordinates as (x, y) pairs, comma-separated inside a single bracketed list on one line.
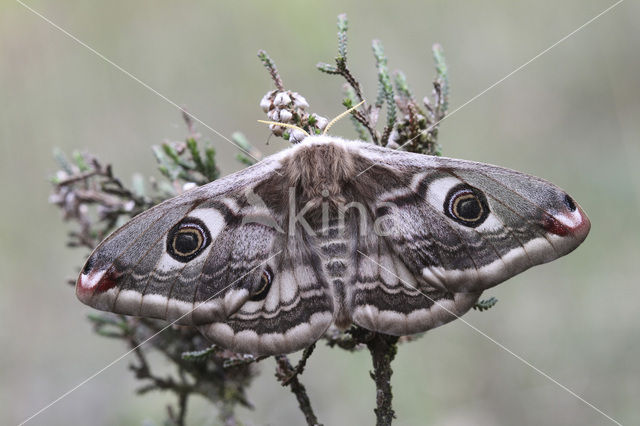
[(296, 311), (138, 270), (441, 260), (391, 297)]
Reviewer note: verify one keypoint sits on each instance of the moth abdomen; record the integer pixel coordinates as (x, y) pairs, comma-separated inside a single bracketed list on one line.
[(336, 267)]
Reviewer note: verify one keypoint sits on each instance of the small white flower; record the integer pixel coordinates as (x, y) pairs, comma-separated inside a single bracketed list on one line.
[(276, 130), (129, 205), (299, 101), (321, 122), (285, 116), (297, 136), (265, 103), (282, 99), (189, 186), (274, 114)]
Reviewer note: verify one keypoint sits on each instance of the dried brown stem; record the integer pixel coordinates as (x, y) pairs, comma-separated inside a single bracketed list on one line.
[(383, 349), (288, 376)]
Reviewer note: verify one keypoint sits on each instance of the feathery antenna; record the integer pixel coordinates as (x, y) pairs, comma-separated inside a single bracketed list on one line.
[(332, 122)]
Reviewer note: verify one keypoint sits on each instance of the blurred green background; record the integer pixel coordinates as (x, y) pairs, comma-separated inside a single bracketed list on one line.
[(571, 116)]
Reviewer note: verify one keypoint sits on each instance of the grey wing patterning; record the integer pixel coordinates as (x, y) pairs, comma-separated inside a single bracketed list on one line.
[(452, 229), (265, 260), (197, 260)]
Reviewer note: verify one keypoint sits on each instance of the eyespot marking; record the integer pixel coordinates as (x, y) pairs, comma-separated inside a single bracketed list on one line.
[(187, 239), (265, 284), (466, 205)]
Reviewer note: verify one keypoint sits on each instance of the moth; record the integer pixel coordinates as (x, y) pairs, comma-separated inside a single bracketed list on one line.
[(331, 232)]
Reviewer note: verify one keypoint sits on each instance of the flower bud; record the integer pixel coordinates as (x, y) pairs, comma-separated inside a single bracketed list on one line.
[(299, 101), (321, 122), (297, 136), (285, 116), (282, 99)]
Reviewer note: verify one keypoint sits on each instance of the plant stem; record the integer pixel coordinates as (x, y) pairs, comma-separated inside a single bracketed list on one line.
[(383, 349), (288, 376)]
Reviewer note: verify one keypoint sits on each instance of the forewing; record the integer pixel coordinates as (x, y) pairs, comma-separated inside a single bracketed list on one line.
[(142, 269), (519, 220), (133, 271)]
